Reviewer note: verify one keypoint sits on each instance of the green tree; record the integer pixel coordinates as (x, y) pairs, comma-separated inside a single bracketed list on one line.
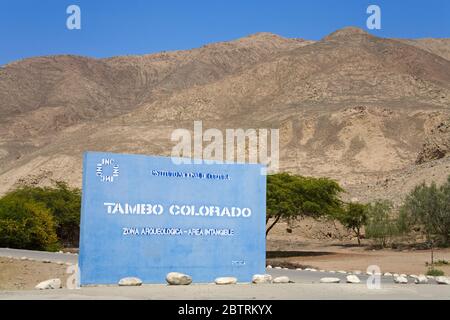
[(26, 225), (429, 207), (354, 217), (381, 227), (290, 196), (64, 204)]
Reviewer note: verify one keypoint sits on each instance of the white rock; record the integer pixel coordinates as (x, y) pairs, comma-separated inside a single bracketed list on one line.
[(369, 273), (353, 279), (356, 272), (379, 274), (403, 275), (413, 276), (332, 271), (23, 258), (396, 275), (282, 279), (269, 267), (60, 263), (442, 280), (430, 277), (225, 280), (421, 279), (262, 278), (310, 269), (49, 284), (60, 251), (285, 268), (299, 269), (278, 268), (177, 278), (401, 280), (388, 274), (342, 272), (330, 280), (130, 281)]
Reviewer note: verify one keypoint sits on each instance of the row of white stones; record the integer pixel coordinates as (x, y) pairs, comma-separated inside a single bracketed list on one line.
[(352, 276), (175, 278)]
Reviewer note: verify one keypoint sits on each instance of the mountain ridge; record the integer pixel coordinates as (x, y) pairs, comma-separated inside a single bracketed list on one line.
[(360, 108)]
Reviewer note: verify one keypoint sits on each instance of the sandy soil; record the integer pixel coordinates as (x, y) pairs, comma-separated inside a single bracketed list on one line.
[(25, 275), (339, 256)]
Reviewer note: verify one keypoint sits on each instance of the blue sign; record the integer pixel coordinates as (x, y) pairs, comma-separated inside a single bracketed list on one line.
[(144, 216)]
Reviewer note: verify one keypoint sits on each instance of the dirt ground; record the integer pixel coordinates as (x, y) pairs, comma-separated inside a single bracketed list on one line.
[(338, 256), (327, 245), (25, 275)]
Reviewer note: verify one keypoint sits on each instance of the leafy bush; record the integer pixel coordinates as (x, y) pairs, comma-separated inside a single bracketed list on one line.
[(429, 207), (441, 262), (62, 202), (435, 272), (26, 225), (380, 226)]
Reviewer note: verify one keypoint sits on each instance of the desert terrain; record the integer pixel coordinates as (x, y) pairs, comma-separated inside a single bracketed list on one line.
[(372, 113), (25, 275), (369, 112)]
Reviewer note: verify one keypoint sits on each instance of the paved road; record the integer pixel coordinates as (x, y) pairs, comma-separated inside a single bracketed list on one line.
[(306, 286), (292, 291)]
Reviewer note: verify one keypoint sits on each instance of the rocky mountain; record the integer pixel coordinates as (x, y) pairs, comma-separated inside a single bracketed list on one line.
[(371, 112)]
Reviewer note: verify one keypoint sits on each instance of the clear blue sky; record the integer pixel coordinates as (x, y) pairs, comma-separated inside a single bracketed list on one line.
[(119, 27)]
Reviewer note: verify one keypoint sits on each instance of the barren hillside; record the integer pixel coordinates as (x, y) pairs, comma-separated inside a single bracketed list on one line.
[(370, 112)]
